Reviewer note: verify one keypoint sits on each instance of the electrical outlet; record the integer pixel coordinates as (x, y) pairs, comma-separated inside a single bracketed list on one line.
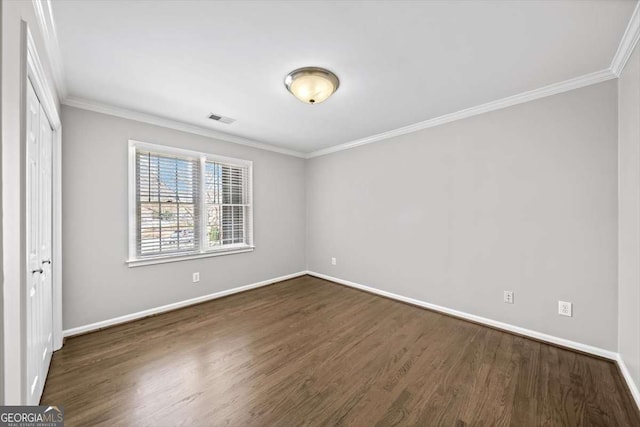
[(333, 261), (565, 308), (508, 297), (196, 277)]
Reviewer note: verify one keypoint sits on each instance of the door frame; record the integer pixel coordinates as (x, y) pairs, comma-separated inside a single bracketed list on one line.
[(33, 71)]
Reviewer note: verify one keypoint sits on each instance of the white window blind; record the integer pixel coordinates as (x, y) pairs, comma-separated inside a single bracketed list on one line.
[(167, 208), (226, 203), (187, 203)]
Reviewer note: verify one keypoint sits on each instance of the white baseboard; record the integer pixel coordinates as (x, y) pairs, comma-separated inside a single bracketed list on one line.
[(630, 382), (478, 319), (145, 313)]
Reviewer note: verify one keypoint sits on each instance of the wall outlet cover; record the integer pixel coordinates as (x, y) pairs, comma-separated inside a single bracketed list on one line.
[(565, 308), (196, 277), (508, 297)]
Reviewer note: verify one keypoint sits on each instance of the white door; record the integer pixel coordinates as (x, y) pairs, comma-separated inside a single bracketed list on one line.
[(39, 309), (46, 219)]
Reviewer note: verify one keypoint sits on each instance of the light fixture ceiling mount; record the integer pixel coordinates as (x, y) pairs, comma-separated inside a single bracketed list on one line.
[(312, 85)]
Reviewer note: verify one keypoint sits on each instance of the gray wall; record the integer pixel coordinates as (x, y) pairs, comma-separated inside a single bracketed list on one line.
[(98, 285), (629, 216), (521, 199)]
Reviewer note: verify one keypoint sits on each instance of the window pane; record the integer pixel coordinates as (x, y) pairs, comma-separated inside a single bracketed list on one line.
[(214, 232), (167, 194), (149, 233), (186, 227), (213, 182), (232, 224), (226, 187)]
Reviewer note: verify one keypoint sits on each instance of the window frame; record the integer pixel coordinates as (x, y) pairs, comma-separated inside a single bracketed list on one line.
[(203, 251)]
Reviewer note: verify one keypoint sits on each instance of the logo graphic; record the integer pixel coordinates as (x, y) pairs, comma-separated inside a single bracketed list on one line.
[(31, 416)]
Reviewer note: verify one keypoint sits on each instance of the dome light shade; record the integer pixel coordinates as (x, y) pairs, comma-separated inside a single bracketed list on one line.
[(311, 84)]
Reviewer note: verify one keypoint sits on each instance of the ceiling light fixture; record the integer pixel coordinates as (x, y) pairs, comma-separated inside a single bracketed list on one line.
[(311, 84)]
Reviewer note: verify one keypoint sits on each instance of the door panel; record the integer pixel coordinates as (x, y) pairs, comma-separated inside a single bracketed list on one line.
[(45, 217), (39, 309), (33, 258)]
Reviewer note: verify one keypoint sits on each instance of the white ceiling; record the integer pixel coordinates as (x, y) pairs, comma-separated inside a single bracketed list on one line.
[(398, 62)]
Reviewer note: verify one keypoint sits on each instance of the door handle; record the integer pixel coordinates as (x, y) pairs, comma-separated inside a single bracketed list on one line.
[(46, 261), (39, 270)]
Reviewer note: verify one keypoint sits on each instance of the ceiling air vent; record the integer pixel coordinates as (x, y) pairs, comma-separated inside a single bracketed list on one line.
[(217, 118)]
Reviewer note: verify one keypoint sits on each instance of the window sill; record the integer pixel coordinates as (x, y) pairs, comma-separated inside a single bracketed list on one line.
[(175, 258)]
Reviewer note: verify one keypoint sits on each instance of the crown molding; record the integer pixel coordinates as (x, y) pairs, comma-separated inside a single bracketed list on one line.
[(47, 26), (173, 124), (44, 16), (628, 42), (553, 89)]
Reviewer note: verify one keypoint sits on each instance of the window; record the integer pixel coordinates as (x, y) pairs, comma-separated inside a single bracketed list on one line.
[(185, 204)]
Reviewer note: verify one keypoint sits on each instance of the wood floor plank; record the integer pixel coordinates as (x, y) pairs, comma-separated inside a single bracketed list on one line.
[(310, 352)]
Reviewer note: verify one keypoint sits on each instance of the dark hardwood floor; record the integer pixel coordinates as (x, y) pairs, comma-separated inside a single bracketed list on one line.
[(311, 352)]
